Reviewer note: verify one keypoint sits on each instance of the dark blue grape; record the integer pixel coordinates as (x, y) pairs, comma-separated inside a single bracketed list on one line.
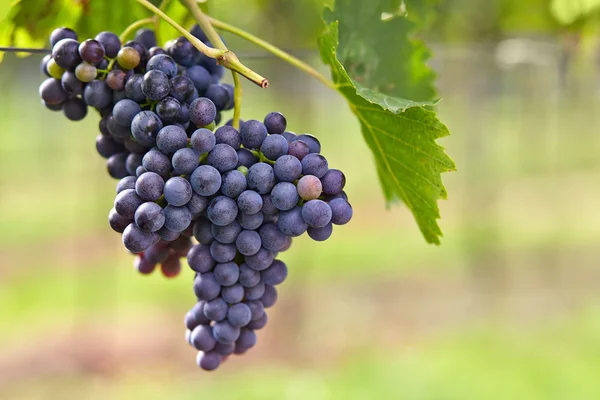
[(269, 298), (66, 53), (261, 178), (197, 205), (222, 211), (137, 240), (177, 219), (314, 164), (133, 88), (206, 287), (157, 254), (246, 158), (196, 316), (233, 294), (202, 231), (157, 162), (248, 243), (62, 33), (226, 234), (225, 333), (274, 146), (155, 85), (261, 260), (223, 157), (145, 127), (234, 183), (163, 63), (116, 165), (298, 149), (71, 84), (133, 162), (216, 309), (275, 274), (275, 123), (170, 139), (91, 51), (126, 202), (168, 109), (256, 308), (246, 341), (284, 196), (149, 186), (259, 323), (208, 361), (75, 109), (202, 111), (316, 213), (116, 130), (268, 208), (182, 51), (177, 191), (199, 76), (200, 260), (272, 238), (320, 234), (124, 112), (249, 202), (118, 96), (155, 50), (287, 168), (185, 161), (226, 274), (118, 222), (333, 182), (110, 42), (219, 95), (167, 235), (203, 140), (182, 88), (230, 91), (252, 134), (228, 135), (290, 136), (184, 115), (222, 253), (239, 315), (254, 292), (248, 276), (250, 221), (202, 338), (313, 143), (97, 94), (197, 32), (52, 92), (149, 217), (126, 183), (140, 170), (291, 223), (147, 37), (341, 211), (206, 180), (143, 266)]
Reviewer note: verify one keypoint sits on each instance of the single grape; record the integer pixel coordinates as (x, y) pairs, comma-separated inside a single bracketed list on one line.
[(168, 109), (316, 213), (149, 217), (143, 266), (313, 143), (202, 111), (197, 205), (177, 219), (185, 161), (275, 274), (118, 222), (155, 85), (97, 94), (225, 333), (149, 186), (206, 287), (146, 37), (275, 123), (320, 234), (291, 223), (219, 95), (196, 316), (314, 164), (145, 127), (252, 134), (62, 33), (124, 112), (298, 149), (309, 187), (119, 132), (127, 202), (200, 260), (66, 53), (117, 79), (223, 157), (126, 183), (52, 92), (202, 231), (261, 260), (249, 202), (199, 76), (261, 178), (259, 323), (206, 180), (136, 240), (239, 315), (284, 196), (170, 139), (274, 146), (246, 158), (226, 274), (202, 338), (182, 88), (163, 63), (287, 168), (157, 162), (222, 253), (128, 58), (177, 191), (222, 210), (333, 182), (216, 309), (269, 298), (234, 183), (91, 51), (250, 221), (272, 238), (75, 109), (268, 208), (203, 140), (254, 292), (110, 42), (341, 211), (233, 294), (248, 242), (116, 165), (133, 88), (226, 234), (256, 308), (228, 135), (208, 361), (167, 235)]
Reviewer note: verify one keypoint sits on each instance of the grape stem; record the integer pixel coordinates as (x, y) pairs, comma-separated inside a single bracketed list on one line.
[(273, 49), (237, 100), (224, 57), (135, 26)]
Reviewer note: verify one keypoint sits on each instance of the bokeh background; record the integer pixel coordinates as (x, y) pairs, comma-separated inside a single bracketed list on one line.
[(507, 308)]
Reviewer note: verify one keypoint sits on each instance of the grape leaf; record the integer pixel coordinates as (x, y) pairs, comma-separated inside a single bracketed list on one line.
[(569, 11), (377, 67)]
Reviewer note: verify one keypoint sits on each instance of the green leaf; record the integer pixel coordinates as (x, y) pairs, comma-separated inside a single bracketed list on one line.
[(378, 68), (569, 11)]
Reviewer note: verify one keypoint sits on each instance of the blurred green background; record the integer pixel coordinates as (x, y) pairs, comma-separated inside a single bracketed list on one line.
[(507, 308)]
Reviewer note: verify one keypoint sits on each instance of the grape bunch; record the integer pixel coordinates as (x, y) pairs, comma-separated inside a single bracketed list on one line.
[(242, 194), (136, 87)]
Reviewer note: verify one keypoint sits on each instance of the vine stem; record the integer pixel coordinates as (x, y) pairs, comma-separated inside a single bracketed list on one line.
[(273, 49), (224, 57), (134, 26), (237, 100)]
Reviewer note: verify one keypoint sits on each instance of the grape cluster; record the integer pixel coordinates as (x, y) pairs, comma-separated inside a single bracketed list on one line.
[(137, 87), (242, 194)]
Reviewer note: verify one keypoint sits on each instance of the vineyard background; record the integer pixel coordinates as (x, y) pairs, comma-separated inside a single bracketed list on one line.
[(507, 307)]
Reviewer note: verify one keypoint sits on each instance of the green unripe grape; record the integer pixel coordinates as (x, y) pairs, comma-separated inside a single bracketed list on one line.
[(243, 169), (86, 72), (211, 126), (55, 70), (128, 58)]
